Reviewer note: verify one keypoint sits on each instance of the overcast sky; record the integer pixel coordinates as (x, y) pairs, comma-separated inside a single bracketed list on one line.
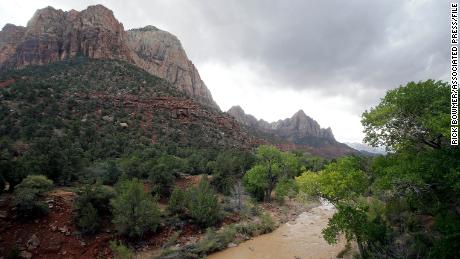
[(333, 59)]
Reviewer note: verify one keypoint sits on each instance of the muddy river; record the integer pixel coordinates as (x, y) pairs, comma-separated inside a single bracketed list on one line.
[(301, 238)]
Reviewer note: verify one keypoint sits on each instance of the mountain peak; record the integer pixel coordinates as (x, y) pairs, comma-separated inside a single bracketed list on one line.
[(236, 108), (146, 28), (53, 35), (299, 125), (300, 113), (99, 7)]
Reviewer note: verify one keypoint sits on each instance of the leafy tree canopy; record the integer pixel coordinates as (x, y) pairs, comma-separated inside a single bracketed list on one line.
[(417, 113)]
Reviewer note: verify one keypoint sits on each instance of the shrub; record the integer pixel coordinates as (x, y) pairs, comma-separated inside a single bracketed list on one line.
[(203, 205), (162, 181), (216, 240), (263, 226), (177, 202), (28, 193), (120, 251), (92, 203), (88, 220), (134, 211), (266, 224), (107, 172)]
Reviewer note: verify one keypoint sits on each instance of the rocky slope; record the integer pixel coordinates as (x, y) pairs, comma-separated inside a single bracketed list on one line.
[(52, 35), (120, 106), (298, 132)]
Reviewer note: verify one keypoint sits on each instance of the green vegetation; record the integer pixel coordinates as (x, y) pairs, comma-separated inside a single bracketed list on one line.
[(414, 115), (92, 204), (227, 168), (134, 211), (177, 203), (404, 204), (120, 251), (218, 240), (28, 194), (68, 120), (203, 204), (162, 174), (273, 169)]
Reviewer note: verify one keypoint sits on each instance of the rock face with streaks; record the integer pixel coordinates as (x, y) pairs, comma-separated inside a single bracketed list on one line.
[(161, 54), (53, 35), (298, 126), (300, 132)]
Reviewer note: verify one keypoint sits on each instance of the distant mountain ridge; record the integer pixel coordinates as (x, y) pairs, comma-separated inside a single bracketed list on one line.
[(299, 124), (53, 35), (298, 132), (366, 148)]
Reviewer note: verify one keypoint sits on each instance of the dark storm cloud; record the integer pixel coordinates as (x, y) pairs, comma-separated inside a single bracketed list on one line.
[(329, 45)]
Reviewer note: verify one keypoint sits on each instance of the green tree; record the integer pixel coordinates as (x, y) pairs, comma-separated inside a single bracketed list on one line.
[(271, 166), (203, 204), (88, 219), (134, 211), (343, 183), (178, 201), (339, 181), (228, 168), (91, 204), (27, 195), (162, 174), (417, 113)]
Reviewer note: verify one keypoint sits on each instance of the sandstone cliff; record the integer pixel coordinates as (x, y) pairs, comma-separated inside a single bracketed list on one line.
[(299, 125), (161, 54), (52, 35), (300, 132)]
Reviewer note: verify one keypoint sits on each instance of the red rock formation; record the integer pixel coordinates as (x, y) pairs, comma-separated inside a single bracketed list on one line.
[(52, 35)]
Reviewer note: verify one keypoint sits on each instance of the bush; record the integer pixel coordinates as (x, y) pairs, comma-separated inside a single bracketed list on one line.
[(134, 211), (107, 172), (162, 181), (285, 188), (178, 201), (92, 203), (216, 240), (28, 193), (266, 224), (88, 220), (203, 205), (120, 251), (263, 226)]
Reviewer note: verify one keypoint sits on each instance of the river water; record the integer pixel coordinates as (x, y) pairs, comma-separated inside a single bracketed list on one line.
[(301, 238)]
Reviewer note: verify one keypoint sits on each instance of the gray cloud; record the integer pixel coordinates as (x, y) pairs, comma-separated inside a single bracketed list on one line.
[(358, 48), (337, 46)]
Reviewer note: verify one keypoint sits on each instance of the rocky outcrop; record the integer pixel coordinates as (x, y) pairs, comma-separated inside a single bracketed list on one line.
[(246, 119), (161, 54), (52, 35), (298, 126), (300, 132)]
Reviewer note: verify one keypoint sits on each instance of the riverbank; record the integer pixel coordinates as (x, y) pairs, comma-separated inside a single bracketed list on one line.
[(300, 238)]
